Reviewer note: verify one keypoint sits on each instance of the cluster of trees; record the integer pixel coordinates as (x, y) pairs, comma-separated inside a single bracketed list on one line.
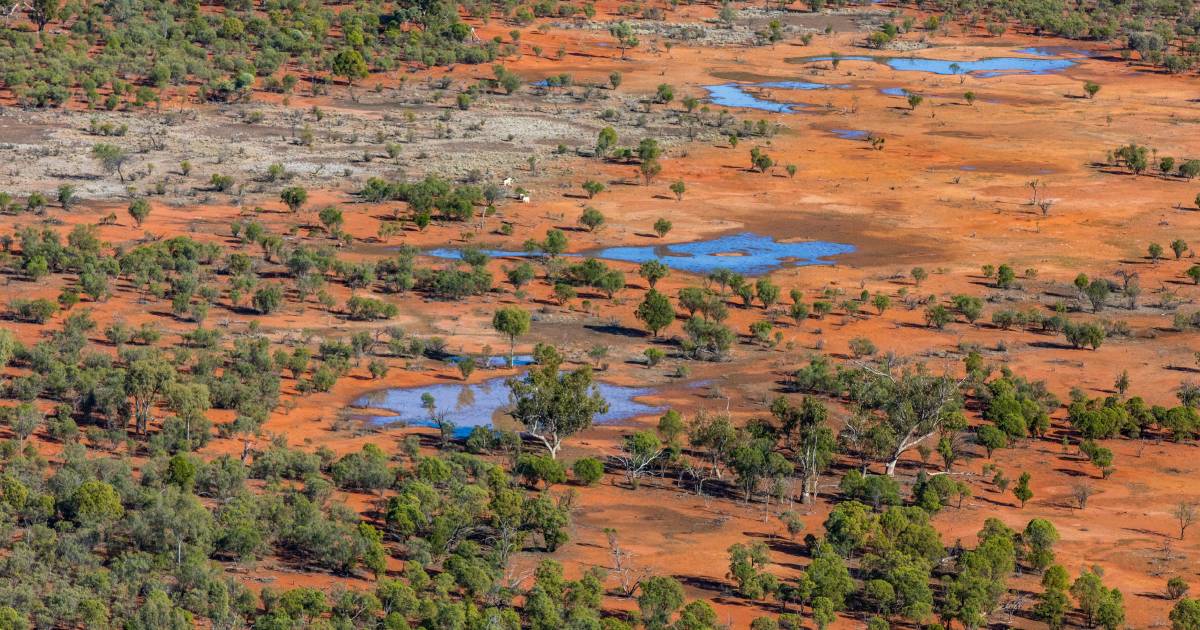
[(94, 542), (1139, 159), (891, 564), (901, 406), (1015, 407), (1162, 34), (188, 272), (432, 195), (1115, 416), (133, 53)]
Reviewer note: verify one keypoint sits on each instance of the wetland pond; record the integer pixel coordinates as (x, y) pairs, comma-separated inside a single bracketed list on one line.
[(746, 253), (989, 67), (736, 94), (481, 404)]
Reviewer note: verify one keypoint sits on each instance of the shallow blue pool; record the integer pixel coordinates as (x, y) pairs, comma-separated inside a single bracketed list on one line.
[(470, 406), (735, 94), (456, 254), (1052, 51), (994, 66), (498, 361), (746, 253), (732, 95), (850, 134)]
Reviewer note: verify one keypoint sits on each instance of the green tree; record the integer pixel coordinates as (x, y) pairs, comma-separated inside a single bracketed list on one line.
[(1038, 540), (1097, 292), (591, 218), (294, 197), (1053, 605), (466, 366), (823, 612), (655, 311), (111, 158), (661, 596), (592, 188), (678, 187), (881, 302), (588, 470), (1022, 491), (512, 322), (1185, 615), (747, 563), (146, 381), (937, 316), (1090, 593), (66, 196), (605, 141), (991, 438), (555, 242), (190, 402), (661, 227), (639, 452), (554, 405), (653, 271), (95, 504), (520, 275), (268, 299), (349, 64), (139, 209), (665, 93), (42, 12), (914, 100), (767, 292), (332, 218), (623, 33), (807, 433)]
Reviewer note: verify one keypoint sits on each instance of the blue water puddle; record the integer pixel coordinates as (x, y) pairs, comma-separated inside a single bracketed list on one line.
[(968, 168), (1052, 51), (456, 254), (746, 253), (798, 85), (519, 360), (991, 67), (896, 91), (470, 406), (984, 67), (735, 94), (850, 134)]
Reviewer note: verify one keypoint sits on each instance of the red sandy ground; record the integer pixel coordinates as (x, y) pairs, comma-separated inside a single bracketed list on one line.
[(907, 205)]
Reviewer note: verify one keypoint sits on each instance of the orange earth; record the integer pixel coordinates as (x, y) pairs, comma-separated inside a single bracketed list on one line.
[(948, 192)]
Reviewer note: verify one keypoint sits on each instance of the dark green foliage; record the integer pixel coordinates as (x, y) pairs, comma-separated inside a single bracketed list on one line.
[(554, 405), (364, 470), (655, 311), (360, 307), (536, 469), (588, 470), (875, 490), (980, 577), (1101, 418)]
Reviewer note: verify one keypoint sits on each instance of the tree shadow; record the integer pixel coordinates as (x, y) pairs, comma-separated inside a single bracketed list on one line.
[(617, 329)]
